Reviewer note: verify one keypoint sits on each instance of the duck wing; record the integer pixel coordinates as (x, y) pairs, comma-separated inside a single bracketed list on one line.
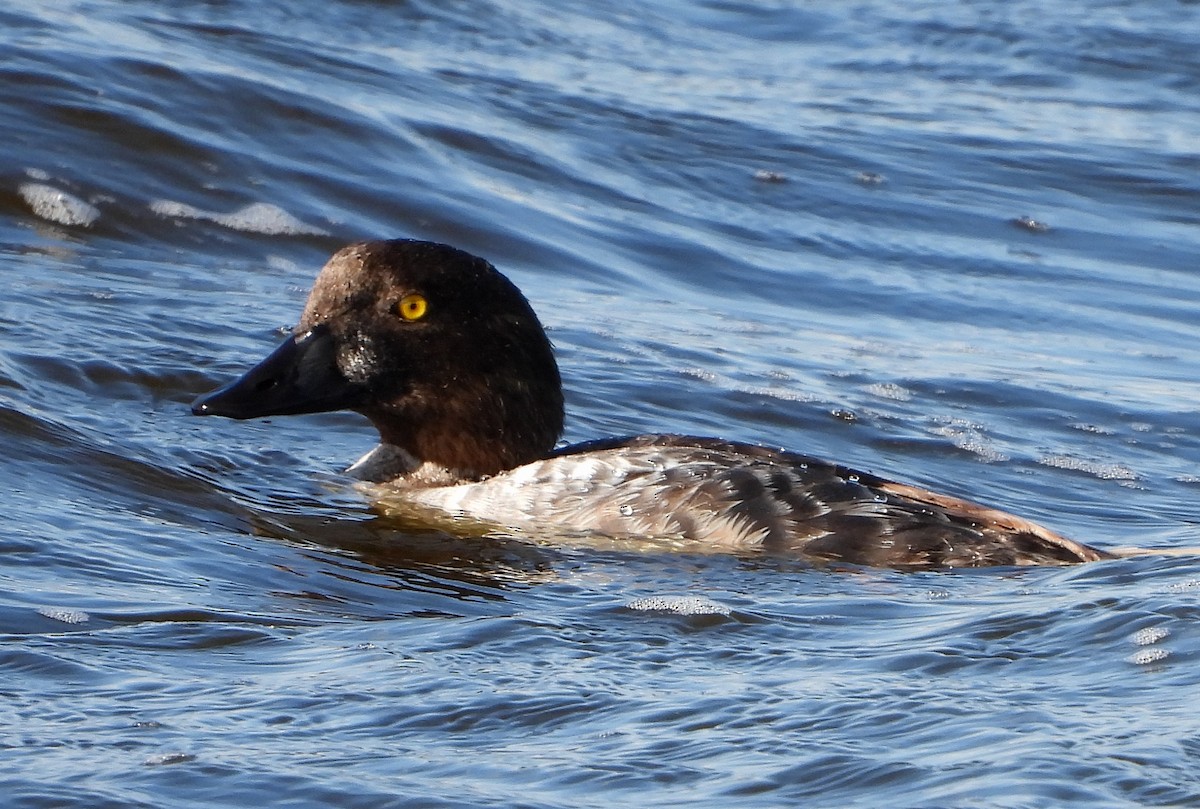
[(739, 495)]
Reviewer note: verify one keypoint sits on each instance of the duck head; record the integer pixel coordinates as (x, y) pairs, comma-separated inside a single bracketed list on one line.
[(439, 350)]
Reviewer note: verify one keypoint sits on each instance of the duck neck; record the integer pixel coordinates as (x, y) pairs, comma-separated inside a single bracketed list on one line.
[(462, 438)]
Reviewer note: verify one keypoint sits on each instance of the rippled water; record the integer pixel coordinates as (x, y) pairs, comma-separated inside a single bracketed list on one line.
[(951, 243)]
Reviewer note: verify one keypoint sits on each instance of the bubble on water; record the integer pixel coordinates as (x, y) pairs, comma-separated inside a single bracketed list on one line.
[(890, 390), (257, 217), (680, 605), (67, 616), (970, 437), (1030, 224), (165, 759), (58, 206), (1144, 657), (1104, 471), (1149, 635), (1095, 429), (768, 176)]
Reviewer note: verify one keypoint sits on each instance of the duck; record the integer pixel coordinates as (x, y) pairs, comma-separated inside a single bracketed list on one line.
[(447, 359)]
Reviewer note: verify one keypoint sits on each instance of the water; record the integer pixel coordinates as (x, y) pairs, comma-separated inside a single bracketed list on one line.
[(199, 613)]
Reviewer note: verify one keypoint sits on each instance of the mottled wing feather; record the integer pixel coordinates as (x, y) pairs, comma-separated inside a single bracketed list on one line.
[(731, 496), (789, 502)]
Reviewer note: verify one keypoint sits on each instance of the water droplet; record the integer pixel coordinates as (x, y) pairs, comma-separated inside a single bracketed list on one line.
[(626, 510), (852, 478)]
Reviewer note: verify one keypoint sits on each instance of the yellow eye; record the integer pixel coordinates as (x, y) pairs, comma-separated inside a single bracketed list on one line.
[(412, 306)]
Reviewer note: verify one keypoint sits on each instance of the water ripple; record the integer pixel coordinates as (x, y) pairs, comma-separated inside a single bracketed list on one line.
[(818, 228)]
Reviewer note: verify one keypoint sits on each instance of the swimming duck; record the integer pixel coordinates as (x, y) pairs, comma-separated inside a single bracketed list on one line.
[(447, 359)]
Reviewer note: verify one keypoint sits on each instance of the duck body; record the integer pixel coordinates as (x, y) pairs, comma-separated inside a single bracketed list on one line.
[(446, 357), (725, 496)]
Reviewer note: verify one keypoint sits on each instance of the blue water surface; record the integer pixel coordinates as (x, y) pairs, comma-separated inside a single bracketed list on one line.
[(955, 244)]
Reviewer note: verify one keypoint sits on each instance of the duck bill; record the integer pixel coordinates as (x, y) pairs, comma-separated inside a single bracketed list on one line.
[(300, 376)]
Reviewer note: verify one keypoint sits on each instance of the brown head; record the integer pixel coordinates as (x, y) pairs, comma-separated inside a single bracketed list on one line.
[(439, 350)]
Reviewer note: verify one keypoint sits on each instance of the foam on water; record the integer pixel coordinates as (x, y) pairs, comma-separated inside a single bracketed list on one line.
[(680, 605), (257, 217), (1146, 657), (1150, 635), (55, 205), (1102, 470), (67, 616)]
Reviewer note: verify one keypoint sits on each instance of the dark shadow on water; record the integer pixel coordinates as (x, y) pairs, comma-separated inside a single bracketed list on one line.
[(412, 555)]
